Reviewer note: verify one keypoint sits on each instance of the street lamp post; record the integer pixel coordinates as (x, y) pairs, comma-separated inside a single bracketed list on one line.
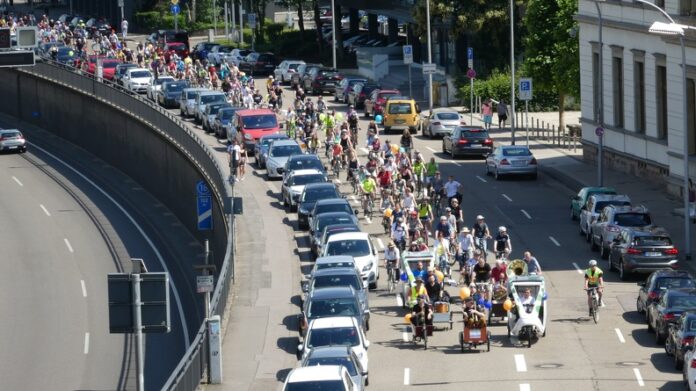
[(333, 32), (600, 114), (430, 56), (673, 29), (512, 69)]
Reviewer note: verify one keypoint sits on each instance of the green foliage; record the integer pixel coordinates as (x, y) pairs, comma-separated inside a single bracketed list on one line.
[(274, 30), (497, 87)]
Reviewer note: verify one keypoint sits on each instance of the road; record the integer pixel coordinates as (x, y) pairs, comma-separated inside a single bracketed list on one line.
[(617, 354)]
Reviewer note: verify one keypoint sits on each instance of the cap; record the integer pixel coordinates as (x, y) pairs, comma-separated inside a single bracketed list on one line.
[(502, 228), (443, 218), (465, 230), (448, 209), (593, 262), (479, 217), (391, 244)]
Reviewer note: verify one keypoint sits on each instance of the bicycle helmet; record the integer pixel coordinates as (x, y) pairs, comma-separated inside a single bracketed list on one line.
[(502, 229), (593, 262), (479, 217)]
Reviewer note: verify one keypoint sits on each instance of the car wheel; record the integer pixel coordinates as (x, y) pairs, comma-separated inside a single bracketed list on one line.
[(387, 130), (623, 275), (659, 338), (638, 308), (603, 252), (452, 155), (367, 325), (373, 285), (650, 327), (588, 234), (678, 360), (430, 132), (444, 148)]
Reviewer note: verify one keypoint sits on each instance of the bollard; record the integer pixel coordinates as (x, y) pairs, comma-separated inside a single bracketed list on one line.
[(575, 143), (553, 135), (537, 127)]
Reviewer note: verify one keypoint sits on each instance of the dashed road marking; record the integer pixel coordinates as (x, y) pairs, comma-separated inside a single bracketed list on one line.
[(84, 288), (520, 364), (431, 149), (506, 197), (481, 179), (17, 180), (618, 334), (67, 244), (380, 243), (368, 220), (404, 334), (86, 343), (455, 163), (364, 150), (525, 387), (551, 238), (399, 300), (337, 181), (354, 199), (407, 376), (577, 268), (639, 378), (524, 212), (45, 210)]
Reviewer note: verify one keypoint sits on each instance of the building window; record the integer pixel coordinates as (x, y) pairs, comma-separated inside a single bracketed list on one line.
[(639, 90), (661, 99), (618, 91), (691, 104), (596, 88)]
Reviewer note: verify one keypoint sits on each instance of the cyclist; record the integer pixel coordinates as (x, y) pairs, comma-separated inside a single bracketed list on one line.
[(391, 260), (368, 188), (414, 225), (425, 214), (321, 105), (336, 153), (533, 266), (465, 247), (481, 233), (443, 227), (441, 250), (398, 232), (503, 245), (594, 279), (431, 168)]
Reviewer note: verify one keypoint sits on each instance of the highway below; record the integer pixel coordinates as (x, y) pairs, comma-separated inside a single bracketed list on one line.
[(618, 353), (67, 219)]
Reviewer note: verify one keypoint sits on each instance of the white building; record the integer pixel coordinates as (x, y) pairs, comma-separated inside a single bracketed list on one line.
[(643, 88)]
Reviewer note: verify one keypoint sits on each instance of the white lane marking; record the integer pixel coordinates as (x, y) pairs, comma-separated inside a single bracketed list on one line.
[(369, 220), (17, 180), (407, 376), (380, 243), (639, 378), (481, 179), (551, 238), (404, 335), (431, 149), (524, 212), (364, 150), (67, 244), (337, 181), (456, 164), (45, 210), (84, 288), (618, 334), (355, 200), (399, 300), (525, 387), (577, 268), (506, 197), (86, 343), (520, 364), (130, 218)]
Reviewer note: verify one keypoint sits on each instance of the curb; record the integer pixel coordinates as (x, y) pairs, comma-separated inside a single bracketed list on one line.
[(566, 179)]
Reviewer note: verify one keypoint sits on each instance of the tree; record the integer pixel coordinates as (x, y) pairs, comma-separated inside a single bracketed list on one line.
[(551, 49), (300, 6)]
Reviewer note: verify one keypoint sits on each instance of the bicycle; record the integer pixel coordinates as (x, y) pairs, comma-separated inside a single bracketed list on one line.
[(594, 305), (354, 180), (391, 276), (368, 205), (336, 166)]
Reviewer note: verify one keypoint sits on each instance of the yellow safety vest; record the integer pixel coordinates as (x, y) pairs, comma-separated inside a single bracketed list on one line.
[(593, 279)]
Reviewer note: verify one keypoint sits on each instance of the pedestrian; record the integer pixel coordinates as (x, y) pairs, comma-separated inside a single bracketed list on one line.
[(242, 162), (124, 29), (487, 112), (234, 156), (502, 113), (692, 201)]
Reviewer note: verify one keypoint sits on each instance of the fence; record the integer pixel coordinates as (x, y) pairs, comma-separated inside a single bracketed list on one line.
[(191, 368)]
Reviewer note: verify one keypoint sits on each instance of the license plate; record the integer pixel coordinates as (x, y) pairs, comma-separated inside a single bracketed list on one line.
[(475, 144), (399, 121), (519, 163), (329, 84), (652, 254), (475, 334), (13, 147)]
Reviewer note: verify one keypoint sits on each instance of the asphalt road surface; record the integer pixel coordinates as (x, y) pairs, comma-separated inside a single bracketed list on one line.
[(618, 353)]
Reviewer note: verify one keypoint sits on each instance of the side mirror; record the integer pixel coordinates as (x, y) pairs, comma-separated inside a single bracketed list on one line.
[(576, 198), (307, 276), (305, 287), (300, 348), (367, 344), (281, 170)]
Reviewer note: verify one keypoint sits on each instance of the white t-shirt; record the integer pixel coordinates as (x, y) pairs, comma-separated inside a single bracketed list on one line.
[(124, 25), (451, 188)]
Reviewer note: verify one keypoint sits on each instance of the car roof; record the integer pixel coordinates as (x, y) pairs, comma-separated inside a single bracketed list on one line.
[(315, 373), (444, 110), (349, 235), (648, 231), (334, 214), (333, 292), (305, 156), (336, 228), (337, 271), (331, 201), (470, 127), (330, 351), (399, 99), (628, 209), (207, 93), (307, 171), (332, 322), (682, 292), (514, 147), (250, 112), (672, 273), (335, 258), (319, 185), (273, 136), (9, 130), (610, 197), (598, 189), (388, 91), (282, 142)]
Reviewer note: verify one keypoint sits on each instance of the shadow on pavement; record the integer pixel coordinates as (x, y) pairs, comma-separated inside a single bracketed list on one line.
[(288, 344), (633, 317), (290, 322), (283, 374), (663, 363)]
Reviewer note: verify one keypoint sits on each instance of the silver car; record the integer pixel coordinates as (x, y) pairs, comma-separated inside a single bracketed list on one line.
[(156, 85), (203, 99), (187, 101), (595, 205), (278, 154), (441, 122), (610, 222), (12, 140), (511, 160)]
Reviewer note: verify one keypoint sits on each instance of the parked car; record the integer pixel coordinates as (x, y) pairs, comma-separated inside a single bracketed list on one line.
[(206, 98), (321, 80), (252, 124), (311, 194), (285, 70), (218, 53), (680, 338), (668, 308), (330, 303), (262, 145), (331, 205), (12, 140), (307, 161), (441, 122), (302, 70), (294, 185), (209, 114), (325, 377), (360, 92), (642, 250), (659, 281), (337, 330), (201, 50), (611, 220), (511, 160), (137, 79), (578, 202), (187, 100), (338, 355), (156, 85), (346, 276), (359, 245), (120, 72), (236, 56), (375, 103), (594, 206), (400, 114), (223, 121), (467, 140), (278, 153), (170, 92), (343, 88), (180, 48), (108, 66), (259, 63), (321, 221)]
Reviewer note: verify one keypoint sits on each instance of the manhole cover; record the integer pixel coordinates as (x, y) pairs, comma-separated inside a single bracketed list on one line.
[(549, 366), (629, 363)]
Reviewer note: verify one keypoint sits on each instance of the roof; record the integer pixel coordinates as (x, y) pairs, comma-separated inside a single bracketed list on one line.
[(610, 197), (317, 372), (444, 110), (271, 136), (388, 91), (249, 112), (334, 214), (310, 171), (672, 273), (682, 292), (334, 292), (284, 141), (330, 351), (331, 201), (332, 322), (648, 231), (206, 93), (628, 209), (599, 189), (336, 271), (334, 258), (348, 235), (513, 147), (319, 185)]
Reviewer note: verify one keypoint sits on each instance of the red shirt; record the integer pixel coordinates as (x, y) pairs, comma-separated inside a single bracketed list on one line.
[(495, 272), (384, 178)]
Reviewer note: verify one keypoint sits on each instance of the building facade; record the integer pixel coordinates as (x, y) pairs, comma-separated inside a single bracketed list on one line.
[(642, 89)]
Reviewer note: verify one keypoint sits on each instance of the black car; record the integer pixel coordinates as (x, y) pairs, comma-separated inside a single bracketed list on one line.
[(659, 281), (642, 250), (360, 92), (331, 302), (303, 162), (296, 78), (322, 220), (259, 63), (201, 50), (321, 80), (681, 338), (311, 194), (223, 121), (668, 308), (168, 95), (331, 205), (467, 140)]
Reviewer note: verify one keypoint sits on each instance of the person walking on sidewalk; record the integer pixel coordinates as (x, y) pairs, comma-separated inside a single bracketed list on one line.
[(124, 29), (487, 112), (502, 113)]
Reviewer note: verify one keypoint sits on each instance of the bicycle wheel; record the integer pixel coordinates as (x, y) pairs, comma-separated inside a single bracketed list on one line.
[(390, 284), (595, 313)]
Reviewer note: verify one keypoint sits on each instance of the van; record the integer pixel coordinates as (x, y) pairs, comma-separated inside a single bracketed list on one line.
[(401, 114), (252, 124)]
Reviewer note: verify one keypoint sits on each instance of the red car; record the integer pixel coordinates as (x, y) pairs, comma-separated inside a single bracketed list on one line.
[(375, 103), (253, 124), (108, 66), (179, 48)]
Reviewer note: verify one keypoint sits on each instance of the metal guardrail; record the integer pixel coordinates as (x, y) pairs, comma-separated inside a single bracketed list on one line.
[(188, 373)]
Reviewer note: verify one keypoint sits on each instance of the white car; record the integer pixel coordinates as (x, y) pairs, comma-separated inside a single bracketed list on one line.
[(337, 330), (441, 122), (236, 56), (294, 184), (319, 377), (590, 213), (285, 69), (359, 246), (156, 85), (218, 53), (137, 79), (689, 370)]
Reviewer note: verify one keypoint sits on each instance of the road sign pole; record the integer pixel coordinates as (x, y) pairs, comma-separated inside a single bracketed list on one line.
[(176, 22), (471, 101), (410, 82), (241, 24), (526, 120), (137, 317), (205, 273)]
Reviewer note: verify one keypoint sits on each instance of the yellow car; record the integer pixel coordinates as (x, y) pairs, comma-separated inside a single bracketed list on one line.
[(401, 114)]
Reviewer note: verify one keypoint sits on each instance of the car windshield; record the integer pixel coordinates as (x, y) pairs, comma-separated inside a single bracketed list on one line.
[(400, 108), (285, 150), (162, 80), (674, 282), (293, 66), (341, 280), (214, 109), (321, 308), (137, 74), (65, 51), (10, 134), (356, 248), (691, 326), (335, 336), (333, 208), (114, 64), (632, 219), (318, 194), (682, 301), (323, 221), (653, 241), (192, 94), (516, 152), (601, 204), (327, 74), (330, 265), (308, 163), (225, 114), (316, 385), (385, 95), (263, 121), (448, 116), (206, 99), (344, 361), (302, 180), (177, 46), (473, 133), (174, 87)]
